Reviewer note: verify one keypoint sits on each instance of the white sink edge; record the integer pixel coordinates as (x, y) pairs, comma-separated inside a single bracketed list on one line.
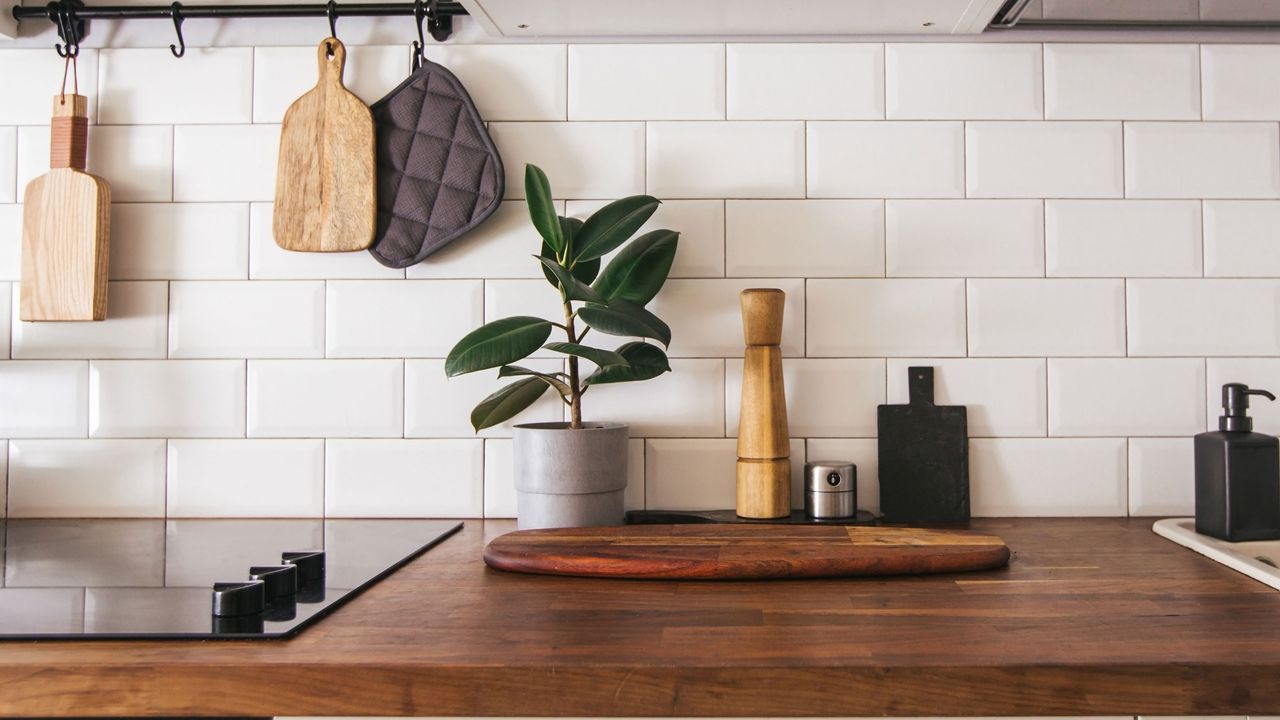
[(1237, 556)]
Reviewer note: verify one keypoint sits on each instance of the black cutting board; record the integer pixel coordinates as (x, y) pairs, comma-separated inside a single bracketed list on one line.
[(924, 457)]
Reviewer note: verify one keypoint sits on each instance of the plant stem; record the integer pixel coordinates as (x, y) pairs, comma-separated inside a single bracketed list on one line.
[(575, 392)]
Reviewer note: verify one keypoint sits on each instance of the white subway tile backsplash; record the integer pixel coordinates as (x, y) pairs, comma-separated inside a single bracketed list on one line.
[(181, 241), (805, 81), (8, 164), (725, 159), (326, 398), (1204, 317), (646, 82), (404, 478), (863, 453), (885, 159), (282, 74), (825, 397), (1240, 238), (86, 478), (399, 318), (146, 86), (508, 82), (44, 399), (1202, 160), (134, 328), (1162, 478), (700, 474), (686, 402), (701, 224), (582, 160), (943, 81), (715, 330), (243, 319), (1121, 82), (1043, 159), (6, 315), (823, 238), (10, 242), (500, 248), (32, 78), (1005, 397), (955, 238), (137, 160), (225, 163), (268, 261), (1255, 372), (1123, 238), (440, 406), (1126, 396), (885, 318), (166, 398), (1012, 318), (246, 478), (1239, 82), (1053, 477)]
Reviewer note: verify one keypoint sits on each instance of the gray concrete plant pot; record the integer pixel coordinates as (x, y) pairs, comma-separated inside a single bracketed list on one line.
[(569, 478)]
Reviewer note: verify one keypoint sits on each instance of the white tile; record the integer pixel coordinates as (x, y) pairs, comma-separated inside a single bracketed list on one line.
[(440, 406), (955, 81), (1017, 318), (961, 238), (725, 159), (404, 478), (1123, 238), (243, 319), (885, 159), (326, 398), (1048, 477), (1238, 82), (181, 241), (43, 399), (1204, 317), (8, 164), (136, 160), (646, 82), (1202, 160), (246, 478), (1005, 397), (825, 397), (6, 316), (885, 318), (715, 328), (500, 248), (1132, 397), (824, 238), (225, 163), (582, 160), (633, 496), (1049, 159), (863, 453), (700, 474), (1261, 373), (86, 478), (686, 402), (805, 81), (32, 78), (508, 82), (268, 261), (499, 484), (400, 318), (1122, 82), (1162, 477), (134, 328), (283, 74), (1240, 238), (700, 223), (166, 398), (148, 86), (10, 242)]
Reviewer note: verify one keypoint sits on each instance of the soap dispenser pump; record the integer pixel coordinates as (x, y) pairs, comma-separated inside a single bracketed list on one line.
[(1238, 474)]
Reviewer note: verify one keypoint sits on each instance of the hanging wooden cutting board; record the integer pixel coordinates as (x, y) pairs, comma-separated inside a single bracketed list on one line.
[(66, 222), (325, 199), (743, 552)]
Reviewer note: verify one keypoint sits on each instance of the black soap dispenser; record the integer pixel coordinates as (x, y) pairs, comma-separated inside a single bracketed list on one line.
[(1238, 474)]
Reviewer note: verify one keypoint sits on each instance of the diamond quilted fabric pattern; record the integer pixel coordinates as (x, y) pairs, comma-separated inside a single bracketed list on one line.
[(439, 174)]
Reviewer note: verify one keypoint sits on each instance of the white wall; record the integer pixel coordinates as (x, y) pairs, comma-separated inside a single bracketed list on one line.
[(1083, 239)]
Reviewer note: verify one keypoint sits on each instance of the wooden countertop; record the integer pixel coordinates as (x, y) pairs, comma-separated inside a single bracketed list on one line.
[(1093, 617)]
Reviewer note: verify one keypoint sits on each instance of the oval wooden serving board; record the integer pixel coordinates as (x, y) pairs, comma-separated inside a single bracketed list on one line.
[(743, 552)]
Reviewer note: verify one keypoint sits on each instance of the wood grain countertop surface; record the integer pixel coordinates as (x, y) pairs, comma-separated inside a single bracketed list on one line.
[(1092, 617)]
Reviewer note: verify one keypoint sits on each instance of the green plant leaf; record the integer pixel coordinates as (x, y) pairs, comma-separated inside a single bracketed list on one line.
[(497, 343), (622, 317), (603, 358), (537, 193), (640, 270), (646, 361), (584, 271), (574, 289), (552, 379), (507, 402), (611, 225)]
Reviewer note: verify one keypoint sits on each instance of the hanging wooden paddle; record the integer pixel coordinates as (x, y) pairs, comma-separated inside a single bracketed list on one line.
[(325, 199)]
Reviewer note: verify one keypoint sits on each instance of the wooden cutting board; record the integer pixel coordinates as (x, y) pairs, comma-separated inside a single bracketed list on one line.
[(743, 552), (325, 183)]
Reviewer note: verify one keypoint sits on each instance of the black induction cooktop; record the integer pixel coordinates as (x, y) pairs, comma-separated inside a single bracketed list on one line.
[(193, 579)]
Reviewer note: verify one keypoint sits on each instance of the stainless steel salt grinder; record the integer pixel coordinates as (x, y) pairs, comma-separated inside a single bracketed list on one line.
[(830, 490)]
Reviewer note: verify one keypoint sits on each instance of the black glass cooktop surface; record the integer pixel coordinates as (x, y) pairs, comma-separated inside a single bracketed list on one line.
[(84, 579)]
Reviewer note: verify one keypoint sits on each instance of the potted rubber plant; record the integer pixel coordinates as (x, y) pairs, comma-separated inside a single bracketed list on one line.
[(574, 473)]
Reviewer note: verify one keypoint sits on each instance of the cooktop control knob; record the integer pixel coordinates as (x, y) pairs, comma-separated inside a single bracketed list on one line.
[(310, 564), (235, 599), (279, 579)]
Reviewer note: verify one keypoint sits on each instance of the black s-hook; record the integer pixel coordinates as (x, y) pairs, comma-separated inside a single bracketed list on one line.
[(419, 45), (63, 15), (331, 12), (175, 10)]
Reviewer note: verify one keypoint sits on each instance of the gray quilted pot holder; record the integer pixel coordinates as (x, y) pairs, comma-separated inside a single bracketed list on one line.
[(438, 173)]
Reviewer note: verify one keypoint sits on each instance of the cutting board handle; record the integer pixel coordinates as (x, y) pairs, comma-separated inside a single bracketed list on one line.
[(69, 132), (920, 385), (331, 56)]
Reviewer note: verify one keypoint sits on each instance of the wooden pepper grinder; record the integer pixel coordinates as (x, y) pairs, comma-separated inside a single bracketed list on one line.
[(764, 443)]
